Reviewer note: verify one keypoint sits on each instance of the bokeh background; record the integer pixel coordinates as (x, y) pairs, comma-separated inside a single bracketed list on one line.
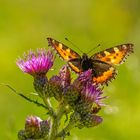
[(25, 24)]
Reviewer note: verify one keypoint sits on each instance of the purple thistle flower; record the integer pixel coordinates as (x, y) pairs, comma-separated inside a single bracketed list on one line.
[(82, 80), (36, 63), (85, 76), (92, 93)]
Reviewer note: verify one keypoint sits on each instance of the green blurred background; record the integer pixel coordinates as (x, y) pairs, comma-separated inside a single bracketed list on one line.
[(25, 24)]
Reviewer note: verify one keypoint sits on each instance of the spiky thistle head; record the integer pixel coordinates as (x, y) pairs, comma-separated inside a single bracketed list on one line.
[(36, 62)]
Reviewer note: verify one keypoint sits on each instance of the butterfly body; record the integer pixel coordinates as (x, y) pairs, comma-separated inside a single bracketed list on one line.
[(86, 63), (102, 63)]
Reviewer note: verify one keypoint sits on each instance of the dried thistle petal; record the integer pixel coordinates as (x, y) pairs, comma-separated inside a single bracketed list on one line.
[(65, 76), (58, 83)]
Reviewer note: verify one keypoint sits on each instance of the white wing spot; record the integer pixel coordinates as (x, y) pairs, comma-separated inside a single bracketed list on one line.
[(68, 50), (60, 45), (124, 46), (112, 60), (112, 69), (106, 53), (116, 49), (53, 41)]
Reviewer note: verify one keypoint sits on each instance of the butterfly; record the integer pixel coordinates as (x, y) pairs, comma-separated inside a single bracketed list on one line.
[(102, 63)]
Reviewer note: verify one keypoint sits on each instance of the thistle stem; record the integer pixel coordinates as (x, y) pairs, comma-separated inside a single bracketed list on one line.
[(74, 119), (66, 130), (49, 106), (56, 122)]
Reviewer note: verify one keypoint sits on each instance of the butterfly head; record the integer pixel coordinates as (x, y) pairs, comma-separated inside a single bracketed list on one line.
[(85, 56)]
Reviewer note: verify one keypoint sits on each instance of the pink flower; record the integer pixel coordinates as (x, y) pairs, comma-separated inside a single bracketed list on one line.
[(36, 63), (92, 93)]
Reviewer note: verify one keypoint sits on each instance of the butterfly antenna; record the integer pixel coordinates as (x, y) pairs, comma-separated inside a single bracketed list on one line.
[(94, 48), (73, 44)]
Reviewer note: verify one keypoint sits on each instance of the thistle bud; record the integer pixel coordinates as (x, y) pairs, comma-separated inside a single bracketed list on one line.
[(35, 128), (89, 120), (71, 95), (54, 88)]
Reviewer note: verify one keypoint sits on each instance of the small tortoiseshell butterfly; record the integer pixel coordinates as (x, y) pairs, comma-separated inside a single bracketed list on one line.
[(102, 63)]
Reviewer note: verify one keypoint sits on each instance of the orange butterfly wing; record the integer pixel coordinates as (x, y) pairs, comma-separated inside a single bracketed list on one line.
[(112, 56), (103, 72), (66, 54), (115, 55)]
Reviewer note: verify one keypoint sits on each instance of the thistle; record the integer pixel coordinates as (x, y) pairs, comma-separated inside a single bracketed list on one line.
[(35, 128), (79, 99), (37, 64)]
